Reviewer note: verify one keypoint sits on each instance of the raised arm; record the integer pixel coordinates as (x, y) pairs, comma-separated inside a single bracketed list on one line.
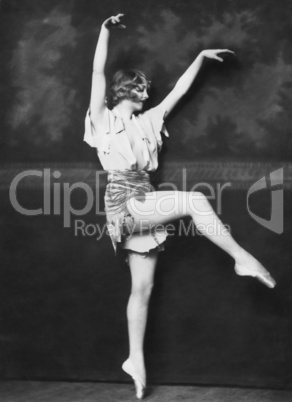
[(98, 88), (186, 80)]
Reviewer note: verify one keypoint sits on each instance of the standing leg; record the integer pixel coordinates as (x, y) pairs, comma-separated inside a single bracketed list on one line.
[(142, 274)]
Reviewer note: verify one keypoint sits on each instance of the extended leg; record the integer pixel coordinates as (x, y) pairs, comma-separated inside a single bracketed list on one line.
[(161, 207), (164, 206)]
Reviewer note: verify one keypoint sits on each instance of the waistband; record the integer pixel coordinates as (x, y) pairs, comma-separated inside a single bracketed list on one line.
[(128, 176)]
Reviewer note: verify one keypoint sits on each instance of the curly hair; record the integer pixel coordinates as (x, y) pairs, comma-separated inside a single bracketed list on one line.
[(123, 82)]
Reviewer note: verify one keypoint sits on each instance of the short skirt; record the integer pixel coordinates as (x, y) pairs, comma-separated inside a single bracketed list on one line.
[(123, 185)]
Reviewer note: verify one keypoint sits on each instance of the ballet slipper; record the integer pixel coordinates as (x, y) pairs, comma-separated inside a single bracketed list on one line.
[(139, 384), (259, 273)]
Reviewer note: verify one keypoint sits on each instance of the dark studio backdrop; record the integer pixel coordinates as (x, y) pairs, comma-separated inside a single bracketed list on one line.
[(238, 109), (63, 296)]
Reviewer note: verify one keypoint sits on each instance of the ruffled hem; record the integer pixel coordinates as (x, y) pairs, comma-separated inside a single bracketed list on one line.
[(141, 242), (144, 242)]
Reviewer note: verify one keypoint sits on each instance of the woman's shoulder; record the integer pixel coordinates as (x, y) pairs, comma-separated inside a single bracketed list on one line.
[(153, 120), (100, 118), (153, 113)]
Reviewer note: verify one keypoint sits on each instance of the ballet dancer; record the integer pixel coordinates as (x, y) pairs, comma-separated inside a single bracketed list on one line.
[(128, 140)]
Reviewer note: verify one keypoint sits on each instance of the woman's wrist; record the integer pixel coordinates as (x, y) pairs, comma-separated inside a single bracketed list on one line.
[(201, 54), (104, 27)]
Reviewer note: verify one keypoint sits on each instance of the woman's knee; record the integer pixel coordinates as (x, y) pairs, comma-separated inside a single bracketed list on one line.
[(197, 195), (142, 289), (198, 203)]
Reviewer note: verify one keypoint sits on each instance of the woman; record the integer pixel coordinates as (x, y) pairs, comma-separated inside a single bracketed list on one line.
[(127, 142)]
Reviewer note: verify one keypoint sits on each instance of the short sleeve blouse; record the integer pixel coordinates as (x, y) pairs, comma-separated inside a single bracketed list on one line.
[(112, 143)]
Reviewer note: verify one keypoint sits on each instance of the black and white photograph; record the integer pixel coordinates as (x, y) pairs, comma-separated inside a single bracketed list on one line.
[(145, 209)]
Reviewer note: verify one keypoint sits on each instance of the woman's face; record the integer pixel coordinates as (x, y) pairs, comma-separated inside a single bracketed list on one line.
[(139, 95)]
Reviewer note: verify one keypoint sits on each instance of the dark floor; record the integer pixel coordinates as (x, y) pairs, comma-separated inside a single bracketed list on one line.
[(39, 391)]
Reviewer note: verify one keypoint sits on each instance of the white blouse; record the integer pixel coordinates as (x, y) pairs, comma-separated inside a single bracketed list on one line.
[(113, 146)]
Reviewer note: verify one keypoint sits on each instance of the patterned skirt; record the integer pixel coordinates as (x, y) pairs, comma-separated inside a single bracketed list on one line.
[(123, 185)]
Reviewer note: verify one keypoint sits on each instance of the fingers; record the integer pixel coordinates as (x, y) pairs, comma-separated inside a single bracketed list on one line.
[(222, 51), (115, 21), (225, 51), (215, 53)]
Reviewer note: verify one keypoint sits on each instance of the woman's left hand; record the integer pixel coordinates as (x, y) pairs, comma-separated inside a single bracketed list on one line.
[(213, 53), (114, 22)]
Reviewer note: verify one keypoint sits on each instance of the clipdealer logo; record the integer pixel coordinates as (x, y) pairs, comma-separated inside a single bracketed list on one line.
[(274, 181), (52, 196)]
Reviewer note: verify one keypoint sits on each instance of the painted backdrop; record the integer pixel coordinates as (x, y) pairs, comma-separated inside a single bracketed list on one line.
[(238, 110)]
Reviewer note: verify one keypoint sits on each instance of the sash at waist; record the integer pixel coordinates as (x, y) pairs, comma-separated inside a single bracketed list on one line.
[(122, 185), (128, 176)]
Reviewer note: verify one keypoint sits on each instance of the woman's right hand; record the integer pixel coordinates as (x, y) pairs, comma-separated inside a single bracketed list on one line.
[(114, 22)]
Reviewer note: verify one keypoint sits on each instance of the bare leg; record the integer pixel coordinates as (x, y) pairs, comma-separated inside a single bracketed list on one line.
[(142, 273), (161, 207)]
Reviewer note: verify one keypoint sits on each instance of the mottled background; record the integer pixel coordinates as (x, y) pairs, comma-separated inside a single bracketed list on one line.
[(237, 110)]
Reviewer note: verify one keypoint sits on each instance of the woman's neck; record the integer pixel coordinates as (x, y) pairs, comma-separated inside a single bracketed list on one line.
[(125, 110)]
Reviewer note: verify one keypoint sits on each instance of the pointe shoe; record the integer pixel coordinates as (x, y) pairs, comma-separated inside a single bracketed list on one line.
[(139, 384), (264, 277)]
